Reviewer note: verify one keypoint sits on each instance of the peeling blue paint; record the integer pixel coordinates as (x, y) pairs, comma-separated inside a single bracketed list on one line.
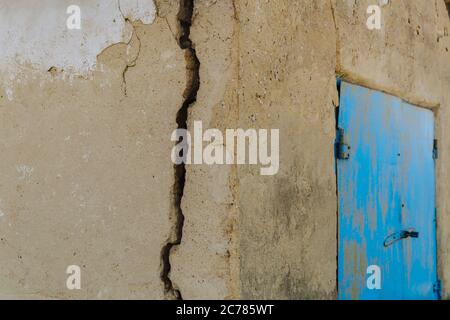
[(386, 187)]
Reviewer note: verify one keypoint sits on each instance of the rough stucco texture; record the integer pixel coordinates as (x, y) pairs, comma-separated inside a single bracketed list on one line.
[(86, 176), (204, 265), (279, 232), (285, 56), (288, 222)]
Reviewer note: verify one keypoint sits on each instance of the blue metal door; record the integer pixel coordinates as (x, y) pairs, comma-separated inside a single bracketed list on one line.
[(386, 192)]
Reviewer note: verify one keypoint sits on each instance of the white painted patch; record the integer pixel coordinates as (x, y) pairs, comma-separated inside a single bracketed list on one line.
[(9, 94), (142, 10), (2, 214), (86, 157), (34, 34), (24, 171)]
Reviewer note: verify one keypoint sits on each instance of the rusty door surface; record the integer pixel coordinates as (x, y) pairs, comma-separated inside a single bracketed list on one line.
[(386, 191)]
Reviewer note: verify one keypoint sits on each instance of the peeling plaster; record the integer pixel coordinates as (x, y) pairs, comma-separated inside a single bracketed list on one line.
[(142, 10), (35, 35)]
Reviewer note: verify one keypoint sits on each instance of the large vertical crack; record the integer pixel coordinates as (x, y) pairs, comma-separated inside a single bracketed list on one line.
[(185, 15)]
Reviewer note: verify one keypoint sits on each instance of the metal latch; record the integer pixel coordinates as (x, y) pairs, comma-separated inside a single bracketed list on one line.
[(397, 236), (343, 149)]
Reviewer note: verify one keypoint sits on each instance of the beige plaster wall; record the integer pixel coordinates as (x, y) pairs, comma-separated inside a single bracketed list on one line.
[(86, 176)]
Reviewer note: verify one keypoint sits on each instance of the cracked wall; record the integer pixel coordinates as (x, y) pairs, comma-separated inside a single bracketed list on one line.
[(272, 64), (184, 16), (34, 38), (205, 265), (86, 176), (263, 65)]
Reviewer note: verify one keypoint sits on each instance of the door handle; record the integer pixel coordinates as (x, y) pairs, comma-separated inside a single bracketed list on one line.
[(400, 235)]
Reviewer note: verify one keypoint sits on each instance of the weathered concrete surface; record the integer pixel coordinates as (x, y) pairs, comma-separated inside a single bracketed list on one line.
[(287, 56), (248, 236), (400, 58), (86, 176), (36, 34), (443, 134), (288, 222), (205, 264)]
